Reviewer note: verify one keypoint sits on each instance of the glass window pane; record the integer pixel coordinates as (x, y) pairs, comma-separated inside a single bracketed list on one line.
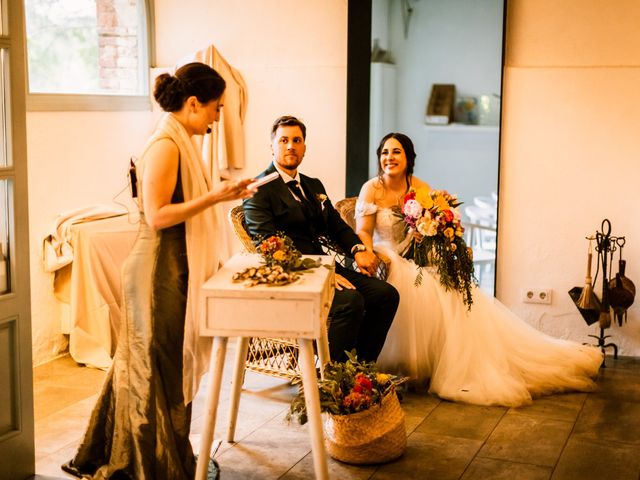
[(5, 158), (5, 225), (86, 47)]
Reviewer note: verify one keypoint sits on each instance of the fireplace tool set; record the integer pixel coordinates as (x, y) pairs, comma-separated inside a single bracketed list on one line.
[(618, 291)]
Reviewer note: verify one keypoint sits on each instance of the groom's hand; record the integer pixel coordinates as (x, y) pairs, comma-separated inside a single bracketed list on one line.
[(367, 262), (342, 282)]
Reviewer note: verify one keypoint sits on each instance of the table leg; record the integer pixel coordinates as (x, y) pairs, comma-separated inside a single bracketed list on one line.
[(323, 348), (309, 382), (236, 385), (213, 395)]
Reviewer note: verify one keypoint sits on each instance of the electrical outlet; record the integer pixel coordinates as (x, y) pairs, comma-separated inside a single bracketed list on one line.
[(536, 295)]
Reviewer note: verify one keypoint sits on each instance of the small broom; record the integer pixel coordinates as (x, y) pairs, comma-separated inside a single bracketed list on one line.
[(588, 299)]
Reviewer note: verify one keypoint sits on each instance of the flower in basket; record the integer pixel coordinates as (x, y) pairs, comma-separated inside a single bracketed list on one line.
[(282, 263), (365, 422), (435, 216)]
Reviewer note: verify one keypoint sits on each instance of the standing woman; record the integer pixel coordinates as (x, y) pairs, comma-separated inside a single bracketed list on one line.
[(139, 428)]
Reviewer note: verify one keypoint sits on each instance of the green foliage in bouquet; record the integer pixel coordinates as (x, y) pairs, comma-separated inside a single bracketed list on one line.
[(348, 387), (434, 215)]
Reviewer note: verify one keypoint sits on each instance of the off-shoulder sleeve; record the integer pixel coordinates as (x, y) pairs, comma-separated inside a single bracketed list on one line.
[(365, 208)]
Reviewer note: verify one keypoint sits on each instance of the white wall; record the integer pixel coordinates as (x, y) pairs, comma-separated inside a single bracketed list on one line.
[(293, 58), (569, 154)]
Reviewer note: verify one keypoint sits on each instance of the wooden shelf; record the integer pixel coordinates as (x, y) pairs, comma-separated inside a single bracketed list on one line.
[(461, 127)]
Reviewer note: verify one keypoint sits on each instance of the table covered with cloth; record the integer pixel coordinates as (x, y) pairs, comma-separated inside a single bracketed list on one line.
[(90, 287)]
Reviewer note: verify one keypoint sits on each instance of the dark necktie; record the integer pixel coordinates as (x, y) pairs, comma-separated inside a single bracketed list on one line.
[(295, 188)]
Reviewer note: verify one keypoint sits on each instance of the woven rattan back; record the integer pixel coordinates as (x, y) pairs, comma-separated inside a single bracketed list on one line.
[(347, 209), (236, 217)]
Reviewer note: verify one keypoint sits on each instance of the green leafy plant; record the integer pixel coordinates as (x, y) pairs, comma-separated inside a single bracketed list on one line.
[(348, 387)]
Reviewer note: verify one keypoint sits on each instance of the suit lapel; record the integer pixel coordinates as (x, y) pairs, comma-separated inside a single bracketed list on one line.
[(312, 195)]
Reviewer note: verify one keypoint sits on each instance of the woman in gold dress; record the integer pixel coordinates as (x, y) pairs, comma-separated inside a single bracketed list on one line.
[(139, 428)]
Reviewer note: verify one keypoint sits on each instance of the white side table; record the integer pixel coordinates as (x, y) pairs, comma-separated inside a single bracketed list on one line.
[(298, 310)]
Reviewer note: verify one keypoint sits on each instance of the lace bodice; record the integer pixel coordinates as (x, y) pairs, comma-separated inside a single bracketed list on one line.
[(389, 227)]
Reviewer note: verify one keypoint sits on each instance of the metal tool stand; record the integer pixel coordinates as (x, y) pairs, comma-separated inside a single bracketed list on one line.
[(605, 246)]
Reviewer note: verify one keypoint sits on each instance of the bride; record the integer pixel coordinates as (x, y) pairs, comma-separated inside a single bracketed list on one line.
[(484, 356)]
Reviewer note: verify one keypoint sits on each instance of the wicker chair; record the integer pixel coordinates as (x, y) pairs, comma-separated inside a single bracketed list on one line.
[(278, 357)]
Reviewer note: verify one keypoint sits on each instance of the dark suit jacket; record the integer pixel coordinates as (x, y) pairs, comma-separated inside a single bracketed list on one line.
[(273, 210)]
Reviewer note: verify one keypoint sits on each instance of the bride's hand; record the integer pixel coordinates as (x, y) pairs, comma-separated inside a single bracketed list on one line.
[(342, 282), (417, 236)]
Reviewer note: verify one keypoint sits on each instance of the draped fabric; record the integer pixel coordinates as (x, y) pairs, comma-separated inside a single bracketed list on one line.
[(202, 251), (223, 149), (57, 250)]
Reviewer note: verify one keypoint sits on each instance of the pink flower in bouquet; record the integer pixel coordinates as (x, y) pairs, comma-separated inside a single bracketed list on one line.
[(413, 209)]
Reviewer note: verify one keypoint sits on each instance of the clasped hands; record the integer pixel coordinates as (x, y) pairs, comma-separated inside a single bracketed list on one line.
[(367, 263)]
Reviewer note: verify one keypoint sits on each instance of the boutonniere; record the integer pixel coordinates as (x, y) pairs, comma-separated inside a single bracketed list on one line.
[(321, 197)]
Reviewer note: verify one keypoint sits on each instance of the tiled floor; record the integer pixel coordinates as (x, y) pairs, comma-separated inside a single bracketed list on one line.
[(573, 436)]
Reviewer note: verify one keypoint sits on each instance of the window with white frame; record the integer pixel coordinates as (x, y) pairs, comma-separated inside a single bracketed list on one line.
[(88, 54)]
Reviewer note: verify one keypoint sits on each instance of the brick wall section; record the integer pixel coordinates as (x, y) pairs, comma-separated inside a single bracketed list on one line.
[(117, 22)]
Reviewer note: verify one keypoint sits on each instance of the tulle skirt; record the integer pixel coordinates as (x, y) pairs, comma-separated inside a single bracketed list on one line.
[(484, 356)]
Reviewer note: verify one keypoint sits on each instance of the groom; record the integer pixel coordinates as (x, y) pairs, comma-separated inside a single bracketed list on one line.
[(363, 306)]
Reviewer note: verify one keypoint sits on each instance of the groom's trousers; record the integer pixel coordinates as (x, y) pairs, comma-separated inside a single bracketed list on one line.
[(360, 318)]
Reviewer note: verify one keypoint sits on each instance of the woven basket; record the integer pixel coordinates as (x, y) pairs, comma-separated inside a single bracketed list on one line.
[(375, 435)]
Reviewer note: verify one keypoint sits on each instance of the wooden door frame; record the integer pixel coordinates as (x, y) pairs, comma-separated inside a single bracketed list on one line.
[(16, 407)]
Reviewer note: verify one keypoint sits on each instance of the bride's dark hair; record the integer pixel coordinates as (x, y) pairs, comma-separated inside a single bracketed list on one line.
[(409, 152)]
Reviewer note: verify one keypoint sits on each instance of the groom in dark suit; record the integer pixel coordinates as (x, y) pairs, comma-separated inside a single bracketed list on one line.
[(296, 205)]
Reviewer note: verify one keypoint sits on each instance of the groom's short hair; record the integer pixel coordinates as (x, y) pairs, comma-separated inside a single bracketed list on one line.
[(288, 121)]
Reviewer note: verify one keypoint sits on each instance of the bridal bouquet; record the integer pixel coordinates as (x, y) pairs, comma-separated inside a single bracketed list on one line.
[(434, 214), (282, 262)]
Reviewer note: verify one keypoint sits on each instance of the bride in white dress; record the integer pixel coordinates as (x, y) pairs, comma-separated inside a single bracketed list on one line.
[(486, 355)]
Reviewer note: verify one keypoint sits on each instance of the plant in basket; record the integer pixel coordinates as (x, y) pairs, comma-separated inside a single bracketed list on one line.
[(434, 215), (282, 263), (364, 423)]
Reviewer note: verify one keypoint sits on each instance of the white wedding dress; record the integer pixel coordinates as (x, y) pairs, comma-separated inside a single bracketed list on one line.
[(485, 356)]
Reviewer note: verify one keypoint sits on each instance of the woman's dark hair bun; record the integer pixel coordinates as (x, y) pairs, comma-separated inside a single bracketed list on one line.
[(193, 79), (168, 92)]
